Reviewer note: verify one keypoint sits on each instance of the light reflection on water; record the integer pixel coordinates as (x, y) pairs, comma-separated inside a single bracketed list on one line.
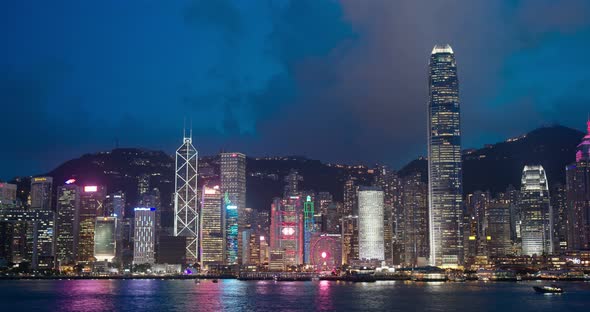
[(233, 295)]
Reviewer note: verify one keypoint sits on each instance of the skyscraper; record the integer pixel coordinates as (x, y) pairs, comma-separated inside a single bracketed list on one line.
[(537, 215), (7, 195), (350, 197), (497, 230), (415, 207), (309, 227), (144, 243), (444, 160), (43, 225), (350, 239), (370, 205), (212, 240), (115, 205), (186, 215), (286, 229), (91, 205), (105, 238), (68, 202), (578, 197), (233, 188)]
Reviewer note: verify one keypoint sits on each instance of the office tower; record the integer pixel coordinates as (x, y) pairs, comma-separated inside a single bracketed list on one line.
[(558, 196), (537, 216), (323, 200), (68, 202), (444, 160), (350, 197), (513, 198), (212, 241), (105, 239), (42, 230), (115, 205), (309, 227), (41, 190), (251, 251), (7, 229), (232, 238), (7, 195), (578, 197), (233, 188), (292, 183), (144, 242), (350, 239), (186, 215), (143, 184), (332, 219), (248, 218), (393, 219), (497, 233), (286, 229), (415, 207), (263, 223), (477, 204), (370, 205), (91, 205)]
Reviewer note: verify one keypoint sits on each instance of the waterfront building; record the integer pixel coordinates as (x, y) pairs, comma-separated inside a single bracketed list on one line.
[(186, 220), (497, 233), (212, 240), (144, 238), (105, 239), (370, 206), (444, 160), (578, 197), (233, 189), (91, 205), (43, 229), (415, 207), (537, 215), (350, 239), (67, 227), (309, 227), (286, 229)]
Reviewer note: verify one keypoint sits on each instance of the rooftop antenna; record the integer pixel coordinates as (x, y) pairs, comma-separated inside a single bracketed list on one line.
[(191, 128)]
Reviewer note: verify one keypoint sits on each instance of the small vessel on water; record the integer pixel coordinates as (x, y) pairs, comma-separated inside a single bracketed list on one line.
[(552, 289), (215, 281), (197, 281)]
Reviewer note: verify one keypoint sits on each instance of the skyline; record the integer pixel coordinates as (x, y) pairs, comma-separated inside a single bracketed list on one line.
[(249, 80)]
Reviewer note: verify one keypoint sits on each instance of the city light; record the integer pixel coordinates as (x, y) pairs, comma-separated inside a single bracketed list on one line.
[(90, 189), (70, 181)]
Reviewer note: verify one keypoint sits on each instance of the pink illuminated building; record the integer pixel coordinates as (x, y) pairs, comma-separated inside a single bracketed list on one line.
[(286, 229), (578, 197)]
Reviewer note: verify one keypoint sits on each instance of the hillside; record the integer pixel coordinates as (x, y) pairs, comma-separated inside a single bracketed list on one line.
[(496, 166)]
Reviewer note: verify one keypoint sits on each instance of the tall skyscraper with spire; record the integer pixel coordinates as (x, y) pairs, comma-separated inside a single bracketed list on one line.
[(578, 197), (186, 215), (444, 160)]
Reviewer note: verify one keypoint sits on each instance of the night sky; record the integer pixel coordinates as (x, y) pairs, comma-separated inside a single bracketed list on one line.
[(339, 81)]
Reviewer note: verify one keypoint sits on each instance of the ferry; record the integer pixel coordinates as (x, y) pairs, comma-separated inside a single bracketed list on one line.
[(553, 289)]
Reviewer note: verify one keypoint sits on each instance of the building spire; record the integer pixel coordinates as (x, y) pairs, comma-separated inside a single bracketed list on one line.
[(588, 124)]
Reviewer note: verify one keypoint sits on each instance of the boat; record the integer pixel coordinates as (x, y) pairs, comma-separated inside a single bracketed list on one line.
[(315, 279), (197, 281), (215, 281), (552, 289)]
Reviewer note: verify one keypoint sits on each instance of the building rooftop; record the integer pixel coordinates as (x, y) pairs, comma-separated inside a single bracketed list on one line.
[(440, 48)]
